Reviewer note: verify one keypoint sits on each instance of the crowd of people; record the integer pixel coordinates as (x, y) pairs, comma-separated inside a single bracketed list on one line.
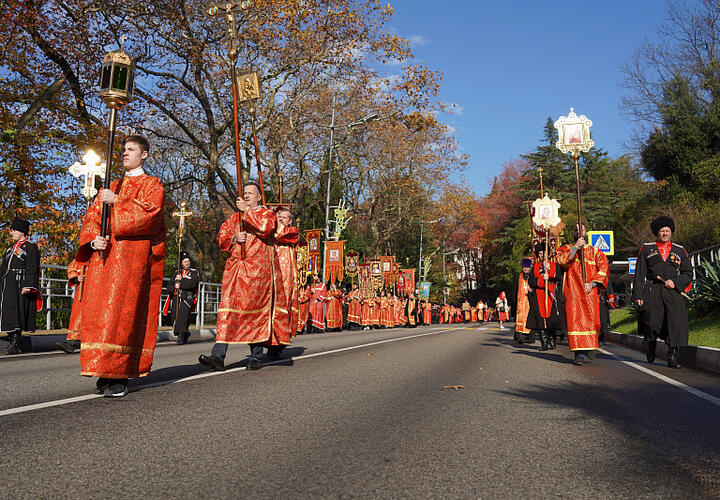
[(118, 274), (571, 295)]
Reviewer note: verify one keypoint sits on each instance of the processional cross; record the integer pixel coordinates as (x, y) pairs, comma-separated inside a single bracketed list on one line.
[(182, 213), (90, 168)]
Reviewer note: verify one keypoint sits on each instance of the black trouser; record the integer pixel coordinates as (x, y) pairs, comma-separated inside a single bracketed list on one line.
[(219, 350)]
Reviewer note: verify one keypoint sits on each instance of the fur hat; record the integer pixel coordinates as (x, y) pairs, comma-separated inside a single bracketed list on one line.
[(539, 247), (20, 225), (661, 222)]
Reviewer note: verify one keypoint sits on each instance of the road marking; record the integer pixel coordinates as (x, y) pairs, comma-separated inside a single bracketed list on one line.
[(49, 404), (696, 392)]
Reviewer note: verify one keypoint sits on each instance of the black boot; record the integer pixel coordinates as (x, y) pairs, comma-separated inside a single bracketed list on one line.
[(68, 346), (651, 351), (14, 347), (543, 341), (579, 359), (673, 357), (552, 341)]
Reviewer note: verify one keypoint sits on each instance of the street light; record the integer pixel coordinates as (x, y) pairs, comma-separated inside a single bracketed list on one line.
[(444, 278), (422, 223), (362, 121)]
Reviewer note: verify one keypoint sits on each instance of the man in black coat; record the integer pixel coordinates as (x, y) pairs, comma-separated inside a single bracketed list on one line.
[(547, 318), (187, 281), (19, 285), (662, 275), (606, 297)]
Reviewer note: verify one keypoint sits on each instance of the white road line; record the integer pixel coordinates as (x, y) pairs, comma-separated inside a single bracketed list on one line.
[(49, 404), (680, 385)]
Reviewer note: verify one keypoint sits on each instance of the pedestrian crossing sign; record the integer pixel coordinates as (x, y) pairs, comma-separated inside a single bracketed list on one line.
[(603, 241)]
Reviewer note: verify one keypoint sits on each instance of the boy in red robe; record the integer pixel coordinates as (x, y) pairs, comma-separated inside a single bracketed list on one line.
[(118, 314), (287, 237)]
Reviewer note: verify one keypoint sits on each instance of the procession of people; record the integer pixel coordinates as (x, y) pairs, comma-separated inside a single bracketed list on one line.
[(117, 276)]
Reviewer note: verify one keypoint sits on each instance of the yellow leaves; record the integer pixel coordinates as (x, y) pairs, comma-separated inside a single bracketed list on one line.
[(455, 387)]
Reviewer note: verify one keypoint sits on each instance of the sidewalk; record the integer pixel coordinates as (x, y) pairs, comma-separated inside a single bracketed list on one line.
[(45, 340), (705, 359)]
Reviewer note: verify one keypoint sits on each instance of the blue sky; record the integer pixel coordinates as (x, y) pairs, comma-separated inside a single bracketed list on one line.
[(510, 65)]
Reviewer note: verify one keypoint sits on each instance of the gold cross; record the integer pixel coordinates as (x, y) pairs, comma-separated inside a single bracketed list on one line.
[(182, 213), (540, 170)]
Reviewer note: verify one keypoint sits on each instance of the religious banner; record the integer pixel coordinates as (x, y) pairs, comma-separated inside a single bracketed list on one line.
[(424, 289), (376, 274), (351, 263), (408, 276), (538, 233), (314, 265), (387, 268), (365, 281), (334, 260), (312, 236)]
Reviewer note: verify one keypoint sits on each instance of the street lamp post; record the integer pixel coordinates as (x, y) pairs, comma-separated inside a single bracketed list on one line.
[(444, 253), (422, 223)]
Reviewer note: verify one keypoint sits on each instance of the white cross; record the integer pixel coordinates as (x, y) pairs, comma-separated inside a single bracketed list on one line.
[(90, 168)]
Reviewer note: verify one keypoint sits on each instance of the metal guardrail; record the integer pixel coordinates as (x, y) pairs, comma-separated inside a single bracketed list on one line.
[(58, 298), (710, 253)]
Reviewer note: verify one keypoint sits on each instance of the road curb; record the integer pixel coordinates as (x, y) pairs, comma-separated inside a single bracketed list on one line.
[(46, 342), (705, 359)]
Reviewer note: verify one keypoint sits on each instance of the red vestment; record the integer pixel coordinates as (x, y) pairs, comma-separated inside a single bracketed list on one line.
[(375, 312), (427, 313), (582, 310), (120, 304), (354, 307), (253, 306), (317, 305), (74, 271), (286, 239), (523, 305), (303, 308), (365, 316), (334, 309), (473, 315)]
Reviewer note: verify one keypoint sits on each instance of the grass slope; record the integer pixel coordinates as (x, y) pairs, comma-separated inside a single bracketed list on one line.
[(703, 331)]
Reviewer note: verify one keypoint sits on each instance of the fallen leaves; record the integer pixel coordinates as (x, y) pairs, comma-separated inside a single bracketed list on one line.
[(456, 387)]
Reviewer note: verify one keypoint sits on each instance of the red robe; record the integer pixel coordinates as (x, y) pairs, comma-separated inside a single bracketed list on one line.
[(120, 304), (523, 305), (286, 239), (354, 307), (427, 313), (317, 305), (74, 271), (386, 312), (582, 310), (253, 306), (303, 308), (334, 316)]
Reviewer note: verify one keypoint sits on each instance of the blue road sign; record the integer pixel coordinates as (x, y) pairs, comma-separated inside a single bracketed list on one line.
[(603, 241), (632, 262)]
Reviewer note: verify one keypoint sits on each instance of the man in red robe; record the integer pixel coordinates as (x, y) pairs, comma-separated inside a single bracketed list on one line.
[(123, 278), (287, 237), (354, 308), (318, 298), (76, 278), (582, 310), (253, 306), (522, 304)]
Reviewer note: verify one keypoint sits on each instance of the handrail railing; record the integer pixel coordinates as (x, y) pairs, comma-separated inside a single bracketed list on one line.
[(58, 298)]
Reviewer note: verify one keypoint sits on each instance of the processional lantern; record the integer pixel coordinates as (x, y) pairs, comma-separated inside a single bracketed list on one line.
[(117, 82), (574, 138)]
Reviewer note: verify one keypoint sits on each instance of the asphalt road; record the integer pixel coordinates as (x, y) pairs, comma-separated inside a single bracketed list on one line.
[(365, 414)]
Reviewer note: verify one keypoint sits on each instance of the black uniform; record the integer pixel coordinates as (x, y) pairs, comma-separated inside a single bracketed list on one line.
[(552, 326), (188, 291), (663, 313), (20, 269)]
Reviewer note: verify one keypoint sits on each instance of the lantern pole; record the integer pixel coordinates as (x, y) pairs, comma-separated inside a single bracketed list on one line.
[(117, 80)]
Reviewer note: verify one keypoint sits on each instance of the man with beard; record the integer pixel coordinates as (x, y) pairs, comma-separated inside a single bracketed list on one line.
[(253, 307), (545, 316), (663, 273)]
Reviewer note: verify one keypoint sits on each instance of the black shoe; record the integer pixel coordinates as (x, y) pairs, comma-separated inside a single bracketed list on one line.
[(579, 359), (543, 341), (14, 347), (213, 362), (672, 360), (67, 346), (102, 384), (651, 351), (273, 353), (179, 340), (116, 388), (254, 364), (589, 356)]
